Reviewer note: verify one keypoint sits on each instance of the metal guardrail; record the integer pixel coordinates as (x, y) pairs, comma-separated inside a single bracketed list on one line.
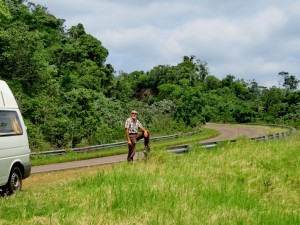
[(174, 149), (97, 147)]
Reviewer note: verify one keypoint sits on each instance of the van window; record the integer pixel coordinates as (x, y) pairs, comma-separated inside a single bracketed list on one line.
[(10, 123)]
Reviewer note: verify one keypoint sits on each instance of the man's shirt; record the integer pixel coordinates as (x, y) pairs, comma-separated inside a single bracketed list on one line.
[(133, 126)]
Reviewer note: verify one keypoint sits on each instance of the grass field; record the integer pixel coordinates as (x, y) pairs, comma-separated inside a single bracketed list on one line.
[(246, 182), (195, 138), (72, 156)]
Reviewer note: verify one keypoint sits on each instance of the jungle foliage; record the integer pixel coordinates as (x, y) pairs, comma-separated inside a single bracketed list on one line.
[(70, 97)]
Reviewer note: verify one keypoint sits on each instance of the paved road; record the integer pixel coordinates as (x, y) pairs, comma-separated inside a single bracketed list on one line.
[(227, 132)]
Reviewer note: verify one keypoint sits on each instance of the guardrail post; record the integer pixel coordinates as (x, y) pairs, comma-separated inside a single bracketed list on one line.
[(266, 137)]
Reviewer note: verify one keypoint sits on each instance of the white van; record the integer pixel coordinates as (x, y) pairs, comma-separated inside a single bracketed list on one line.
[(14, 147)]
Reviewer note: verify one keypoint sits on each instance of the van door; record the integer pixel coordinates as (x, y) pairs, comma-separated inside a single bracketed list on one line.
[(13, 143)]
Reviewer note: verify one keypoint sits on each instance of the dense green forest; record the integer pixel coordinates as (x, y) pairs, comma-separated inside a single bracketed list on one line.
[(70, 97)]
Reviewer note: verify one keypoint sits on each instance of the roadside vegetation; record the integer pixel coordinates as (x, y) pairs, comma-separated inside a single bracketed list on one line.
[(70, 97), (194, 138), (162, 144), (247, 182)]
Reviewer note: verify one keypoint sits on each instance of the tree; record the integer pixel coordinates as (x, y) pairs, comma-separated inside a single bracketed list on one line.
[(76, 31), (166, 91), (272, 102), (202, 70), (290, 81), (22, 55), (254, 89), (243, 114), (189, 106), (4, 12), (194, 72), (228, 80), (212, 83), (241, 90), (160, 75), (123, 87)]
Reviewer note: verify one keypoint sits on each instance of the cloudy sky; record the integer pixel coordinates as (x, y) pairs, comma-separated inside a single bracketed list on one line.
[(249, 39)]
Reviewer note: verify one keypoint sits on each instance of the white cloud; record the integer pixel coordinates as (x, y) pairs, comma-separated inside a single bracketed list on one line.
[(251, 40)]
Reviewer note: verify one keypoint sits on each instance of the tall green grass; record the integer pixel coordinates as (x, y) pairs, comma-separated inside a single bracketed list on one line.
[(246, 182)]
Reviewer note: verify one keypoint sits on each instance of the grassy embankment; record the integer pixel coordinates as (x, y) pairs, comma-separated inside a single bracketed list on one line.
[(71, 156), (246, 182)]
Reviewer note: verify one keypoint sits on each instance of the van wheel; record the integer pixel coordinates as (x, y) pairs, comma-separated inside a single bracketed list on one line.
[(14, 183)]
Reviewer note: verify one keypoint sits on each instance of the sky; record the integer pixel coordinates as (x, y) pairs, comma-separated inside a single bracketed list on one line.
[(251, 40)]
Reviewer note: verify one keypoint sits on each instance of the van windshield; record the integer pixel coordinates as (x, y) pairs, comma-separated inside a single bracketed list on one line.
[(10, 123)]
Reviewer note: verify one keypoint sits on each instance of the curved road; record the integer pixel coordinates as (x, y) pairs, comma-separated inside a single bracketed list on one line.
[(230, 132), (227, 132)]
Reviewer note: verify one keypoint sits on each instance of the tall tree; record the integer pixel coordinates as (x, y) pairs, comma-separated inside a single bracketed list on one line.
[(4, 11), (290, 81), (202, 70)]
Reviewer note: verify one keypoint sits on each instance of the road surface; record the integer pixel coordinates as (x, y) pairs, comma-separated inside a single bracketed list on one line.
[(227, 132), (230, 132)]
